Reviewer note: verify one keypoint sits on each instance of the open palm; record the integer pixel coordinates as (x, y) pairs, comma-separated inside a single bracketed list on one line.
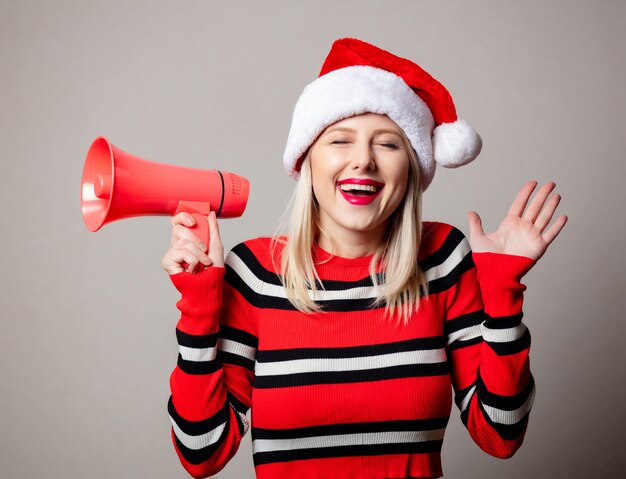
[(521, 233)]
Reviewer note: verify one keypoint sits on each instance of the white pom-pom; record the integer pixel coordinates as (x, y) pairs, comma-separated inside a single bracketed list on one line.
[(455, 144)]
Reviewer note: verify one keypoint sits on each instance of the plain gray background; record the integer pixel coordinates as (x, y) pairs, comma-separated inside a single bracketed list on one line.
[(87, 341)]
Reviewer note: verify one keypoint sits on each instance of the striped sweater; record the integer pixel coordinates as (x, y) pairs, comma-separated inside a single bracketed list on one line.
[(344, 393)]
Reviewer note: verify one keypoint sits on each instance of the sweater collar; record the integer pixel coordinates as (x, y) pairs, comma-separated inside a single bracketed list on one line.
[(321, 256)]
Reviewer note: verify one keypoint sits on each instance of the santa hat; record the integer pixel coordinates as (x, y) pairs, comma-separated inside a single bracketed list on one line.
[(358, 78)]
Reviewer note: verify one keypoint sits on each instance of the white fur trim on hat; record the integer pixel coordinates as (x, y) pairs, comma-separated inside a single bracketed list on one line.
[(352, 91), (455, 144)]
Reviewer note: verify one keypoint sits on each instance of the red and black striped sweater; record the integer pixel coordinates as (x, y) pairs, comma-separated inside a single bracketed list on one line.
[(344, 394)]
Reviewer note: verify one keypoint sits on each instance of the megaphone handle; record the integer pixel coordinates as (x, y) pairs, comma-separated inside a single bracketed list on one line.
[(201, 226)]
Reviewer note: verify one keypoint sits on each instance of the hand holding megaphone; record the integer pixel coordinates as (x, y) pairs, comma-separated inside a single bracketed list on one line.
[(117, 185), (187, 252)]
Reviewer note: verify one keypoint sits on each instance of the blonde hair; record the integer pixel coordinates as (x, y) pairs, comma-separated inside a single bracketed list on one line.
[(402, 279)]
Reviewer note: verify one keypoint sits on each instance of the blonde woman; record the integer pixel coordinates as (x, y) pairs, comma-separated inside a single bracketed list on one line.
[(349, 337)]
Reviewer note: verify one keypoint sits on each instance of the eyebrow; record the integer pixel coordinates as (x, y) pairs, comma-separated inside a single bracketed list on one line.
[(352, 130)]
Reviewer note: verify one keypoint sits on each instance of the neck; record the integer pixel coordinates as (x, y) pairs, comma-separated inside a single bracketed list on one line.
[(352, 244)]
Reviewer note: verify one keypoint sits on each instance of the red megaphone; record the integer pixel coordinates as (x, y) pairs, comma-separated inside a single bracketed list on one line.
[(118, 185)]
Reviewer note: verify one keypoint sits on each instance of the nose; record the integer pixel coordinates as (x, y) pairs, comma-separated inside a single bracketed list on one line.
[(363, 157)]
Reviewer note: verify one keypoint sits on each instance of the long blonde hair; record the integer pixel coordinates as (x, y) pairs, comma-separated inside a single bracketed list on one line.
[(403, 280)]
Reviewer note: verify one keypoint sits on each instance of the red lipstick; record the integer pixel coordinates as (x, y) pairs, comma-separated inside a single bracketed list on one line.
[(361, 181), (360, 200)]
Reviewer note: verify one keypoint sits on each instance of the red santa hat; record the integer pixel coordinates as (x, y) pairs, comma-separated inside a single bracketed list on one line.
[(358, 78)]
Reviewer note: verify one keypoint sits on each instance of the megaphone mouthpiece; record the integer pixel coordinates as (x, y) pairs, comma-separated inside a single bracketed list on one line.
[(102, 186)]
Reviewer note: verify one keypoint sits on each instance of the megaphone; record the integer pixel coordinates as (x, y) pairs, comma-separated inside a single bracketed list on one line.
[(117, 185)]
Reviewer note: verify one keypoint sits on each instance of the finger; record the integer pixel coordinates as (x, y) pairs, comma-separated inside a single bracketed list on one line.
[(190, 259), (180, 231), (194, 260), (556, 228), (173, 261), (216, 249), (519, 203), (183, 218), (198, 251), (214, 229), (475, 224), (546, 214), (538, 202), (180, 220), (169, 265)]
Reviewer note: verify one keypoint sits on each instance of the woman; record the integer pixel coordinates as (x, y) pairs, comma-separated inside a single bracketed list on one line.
[(346, 336)]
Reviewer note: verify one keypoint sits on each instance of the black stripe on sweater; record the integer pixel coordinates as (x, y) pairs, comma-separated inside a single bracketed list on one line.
[(263, 274), (337, 377), (351, 428), (198, 456), (506, 431), (504, 322), (511, 347), (240, 407), (274, 302), (341, 305), (239, 336), (452, 241), (454, 238), (198, 367), (448, 281), (248, 257), (461, 394), (434, 342), (237, 360), (197, 428), (464, 343), (506, 403), (237, 404), (465, 321), (196, 341), (347, 451)]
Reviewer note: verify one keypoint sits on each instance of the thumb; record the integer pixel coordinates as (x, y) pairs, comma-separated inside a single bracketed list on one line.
[(475, 224), (216, 249)]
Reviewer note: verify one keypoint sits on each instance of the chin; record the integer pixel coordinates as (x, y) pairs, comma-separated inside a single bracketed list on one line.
[(361, 226)]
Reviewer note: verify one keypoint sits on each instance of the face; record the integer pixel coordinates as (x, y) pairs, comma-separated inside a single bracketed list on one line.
[(359, 172)]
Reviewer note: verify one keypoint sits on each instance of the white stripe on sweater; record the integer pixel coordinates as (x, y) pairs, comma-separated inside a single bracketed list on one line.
[(337, 440), (503, 335), (363, 292), (451, 262), (510, 417), (197, 354), (197, 442), (465, 334), (350, 364), (467, 398), (234, 347)]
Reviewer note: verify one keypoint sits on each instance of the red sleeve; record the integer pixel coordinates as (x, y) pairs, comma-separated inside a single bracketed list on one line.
[(212, 382), (488, 347)]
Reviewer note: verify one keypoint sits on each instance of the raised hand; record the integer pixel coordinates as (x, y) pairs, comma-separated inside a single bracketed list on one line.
[(187, 252), (521, 233)]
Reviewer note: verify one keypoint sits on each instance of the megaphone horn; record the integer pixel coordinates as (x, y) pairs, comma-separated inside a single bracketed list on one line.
[(117, 185)]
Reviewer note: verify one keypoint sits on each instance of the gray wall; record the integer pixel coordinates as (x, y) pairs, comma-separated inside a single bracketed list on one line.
[(87, 341)]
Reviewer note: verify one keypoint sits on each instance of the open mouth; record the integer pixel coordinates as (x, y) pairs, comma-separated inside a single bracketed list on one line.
[(359, 190)]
